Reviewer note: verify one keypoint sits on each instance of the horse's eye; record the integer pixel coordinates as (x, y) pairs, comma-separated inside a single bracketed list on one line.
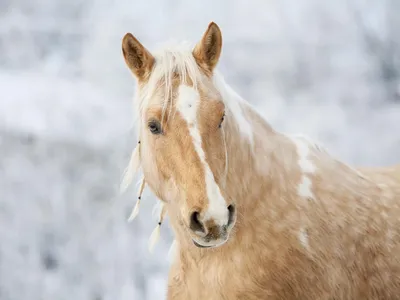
[(222, 120), (155, 127)]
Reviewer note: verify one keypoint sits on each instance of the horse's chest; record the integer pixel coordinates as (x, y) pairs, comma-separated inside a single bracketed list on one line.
[(209, 281), (217, 281), (250, 279)]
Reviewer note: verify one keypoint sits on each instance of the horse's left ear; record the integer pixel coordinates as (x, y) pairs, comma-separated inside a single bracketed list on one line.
[(137, 57), (208, 50)]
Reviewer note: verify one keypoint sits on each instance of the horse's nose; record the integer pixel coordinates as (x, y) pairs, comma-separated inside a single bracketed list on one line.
[(196, 224), (232, 214), (200, 226)]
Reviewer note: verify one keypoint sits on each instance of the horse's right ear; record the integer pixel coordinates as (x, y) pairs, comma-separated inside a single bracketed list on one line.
[(137, 57), (208, 50)]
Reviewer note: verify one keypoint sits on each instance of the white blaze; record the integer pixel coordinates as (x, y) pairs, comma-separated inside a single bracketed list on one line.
[(188, 104)]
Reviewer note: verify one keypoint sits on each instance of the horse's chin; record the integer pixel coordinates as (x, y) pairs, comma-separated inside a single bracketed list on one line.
[(201, 246), (208, 246)]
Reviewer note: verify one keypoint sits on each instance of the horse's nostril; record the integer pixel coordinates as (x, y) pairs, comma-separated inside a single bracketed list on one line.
[(195, 223), (232, 210)]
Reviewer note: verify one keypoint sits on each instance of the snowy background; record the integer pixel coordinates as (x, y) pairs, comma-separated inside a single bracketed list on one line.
[(328, 69)]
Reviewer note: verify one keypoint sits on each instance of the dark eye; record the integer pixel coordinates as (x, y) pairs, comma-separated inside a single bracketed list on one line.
[(222, 120), (155, 127)]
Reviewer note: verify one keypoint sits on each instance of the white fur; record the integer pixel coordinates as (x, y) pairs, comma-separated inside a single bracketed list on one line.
[(187, 105), (217, 207), (303, 150), (303, 237), (304, 188), (307, 167)]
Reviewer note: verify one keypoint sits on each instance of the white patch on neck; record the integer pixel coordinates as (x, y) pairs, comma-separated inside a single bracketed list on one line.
[(320, 148), (306, 167), (303, 150), (235, 105), (188, 105), (304, 188), (303, 237)]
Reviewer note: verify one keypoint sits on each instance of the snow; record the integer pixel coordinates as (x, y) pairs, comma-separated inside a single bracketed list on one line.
[(328, 71), (60, 109)]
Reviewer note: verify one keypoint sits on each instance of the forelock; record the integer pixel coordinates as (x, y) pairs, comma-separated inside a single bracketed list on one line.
[(172, 61)]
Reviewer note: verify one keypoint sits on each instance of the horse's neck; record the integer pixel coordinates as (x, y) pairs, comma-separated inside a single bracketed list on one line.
[(255, 151)]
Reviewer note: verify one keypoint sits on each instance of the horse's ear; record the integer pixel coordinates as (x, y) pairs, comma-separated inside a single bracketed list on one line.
[(137, 57), (208, 50)]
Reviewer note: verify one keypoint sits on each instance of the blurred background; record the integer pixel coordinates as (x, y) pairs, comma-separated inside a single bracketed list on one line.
[(328, 69)]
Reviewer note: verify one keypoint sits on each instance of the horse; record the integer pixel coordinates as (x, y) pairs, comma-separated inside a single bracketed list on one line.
[(256, 213)]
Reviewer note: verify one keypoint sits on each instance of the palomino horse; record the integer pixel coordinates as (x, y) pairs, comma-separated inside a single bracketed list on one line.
[(256, 214)]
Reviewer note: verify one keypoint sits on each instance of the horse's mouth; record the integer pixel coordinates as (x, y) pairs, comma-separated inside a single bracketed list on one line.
[(201, 246), (208, 246)]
